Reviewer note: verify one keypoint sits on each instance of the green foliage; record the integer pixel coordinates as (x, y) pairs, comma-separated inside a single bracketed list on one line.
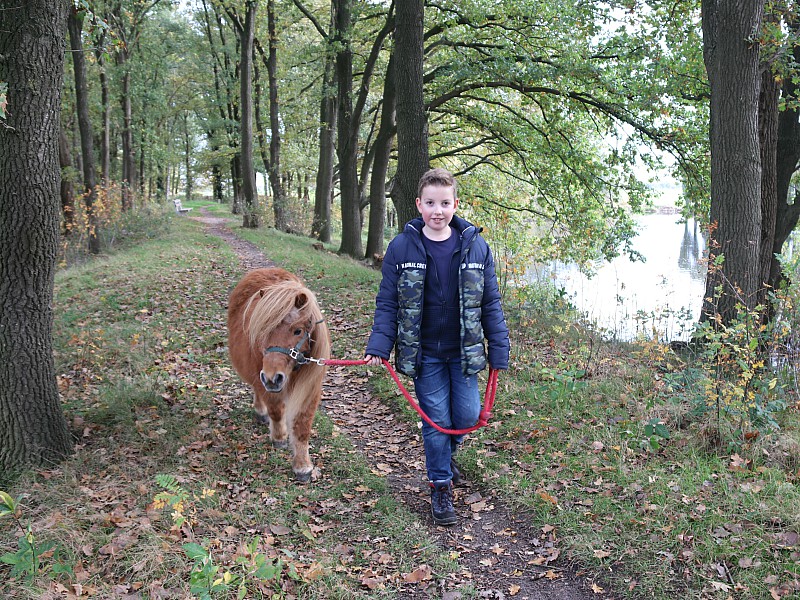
[(731, 378), (559, 385), (655, 430), (208, 579), (174, 496), (552, 129), (29, 559)]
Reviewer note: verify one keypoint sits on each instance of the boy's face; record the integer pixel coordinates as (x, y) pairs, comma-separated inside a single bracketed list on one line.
[(437, 206)]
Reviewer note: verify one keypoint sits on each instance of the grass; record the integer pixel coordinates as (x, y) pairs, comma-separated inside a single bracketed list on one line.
[(147, 389), (679, 518)]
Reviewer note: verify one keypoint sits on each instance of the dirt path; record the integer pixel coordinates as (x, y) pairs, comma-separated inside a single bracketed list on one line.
[(502, 554)]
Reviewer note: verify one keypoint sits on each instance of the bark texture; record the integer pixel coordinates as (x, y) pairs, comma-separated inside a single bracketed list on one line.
[(249, 196), (85, 126), (734, 72), (347, 134), (33, 430), (323, 192), (380, 165), (412, 122), (788, 154), (279, 200)]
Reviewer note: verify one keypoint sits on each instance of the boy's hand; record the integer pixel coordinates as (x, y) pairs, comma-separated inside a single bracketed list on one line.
[(373, 361)]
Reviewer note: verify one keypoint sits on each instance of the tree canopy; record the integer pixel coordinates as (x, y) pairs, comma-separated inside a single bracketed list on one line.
[(555, 117)]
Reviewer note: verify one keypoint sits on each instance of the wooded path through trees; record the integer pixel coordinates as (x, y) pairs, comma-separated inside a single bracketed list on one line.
[(502, 553)]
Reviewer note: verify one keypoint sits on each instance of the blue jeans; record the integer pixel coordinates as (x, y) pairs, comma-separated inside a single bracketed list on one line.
[(452, 401)]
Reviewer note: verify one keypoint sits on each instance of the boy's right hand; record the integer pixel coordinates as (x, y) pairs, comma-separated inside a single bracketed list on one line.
[(373, 361)]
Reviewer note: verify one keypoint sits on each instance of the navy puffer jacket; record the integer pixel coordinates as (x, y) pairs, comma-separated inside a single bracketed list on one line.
[(398, 311)]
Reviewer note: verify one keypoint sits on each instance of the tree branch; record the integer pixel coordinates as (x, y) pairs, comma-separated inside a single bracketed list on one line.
[(310, 16)]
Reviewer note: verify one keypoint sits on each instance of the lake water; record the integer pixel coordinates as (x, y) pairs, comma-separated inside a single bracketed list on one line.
[(627, 298)]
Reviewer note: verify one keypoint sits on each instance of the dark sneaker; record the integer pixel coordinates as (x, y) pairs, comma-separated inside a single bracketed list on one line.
[(455, 469), (442, 505)]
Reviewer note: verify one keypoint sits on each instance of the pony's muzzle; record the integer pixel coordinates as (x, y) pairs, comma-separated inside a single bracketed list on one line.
[(275, 384)]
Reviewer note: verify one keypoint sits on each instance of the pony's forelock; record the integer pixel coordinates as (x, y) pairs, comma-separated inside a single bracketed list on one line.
[(270, 306)]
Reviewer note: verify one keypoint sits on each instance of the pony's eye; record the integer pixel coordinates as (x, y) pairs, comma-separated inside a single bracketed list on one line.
[(298, 331)]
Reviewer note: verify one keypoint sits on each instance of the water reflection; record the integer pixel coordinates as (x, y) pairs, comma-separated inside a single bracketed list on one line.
[(692, 248), (626, 298)]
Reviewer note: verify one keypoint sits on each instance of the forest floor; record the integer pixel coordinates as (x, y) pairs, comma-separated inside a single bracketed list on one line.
[(501, 552)]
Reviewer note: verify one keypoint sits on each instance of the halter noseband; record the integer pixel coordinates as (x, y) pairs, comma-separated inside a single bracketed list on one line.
[(294, 353)]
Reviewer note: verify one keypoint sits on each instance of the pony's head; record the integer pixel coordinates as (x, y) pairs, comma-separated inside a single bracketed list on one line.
[(285, 324)]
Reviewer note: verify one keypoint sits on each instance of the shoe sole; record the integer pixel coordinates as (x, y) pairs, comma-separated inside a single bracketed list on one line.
[(446, 521)]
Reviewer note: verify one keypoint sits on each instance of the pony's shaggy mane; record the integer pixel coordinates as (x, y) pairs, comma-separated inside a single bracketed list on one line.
[(284, 301)]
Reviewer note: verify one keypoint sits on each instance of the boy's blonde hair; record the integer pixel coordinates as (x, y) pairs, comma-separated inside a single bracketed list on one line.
[(437, 177)]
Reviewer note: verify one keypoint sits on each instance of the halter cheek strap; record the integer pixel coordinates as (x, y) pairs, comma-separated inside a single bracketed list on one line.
[(295, 353)]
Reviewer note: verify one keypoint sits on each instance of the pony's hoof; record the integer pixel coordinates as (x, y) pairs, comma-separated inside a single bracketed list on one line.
[(263, 419), (280, 444), (303, 477)]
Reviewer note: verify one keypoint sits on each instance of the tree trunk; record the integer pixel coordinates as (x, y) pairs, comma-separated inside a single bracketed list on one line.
[(732, 63), (249, 194), (128, 161), (216, 180), (323, 193), (347, 133), (216, 168), (788, 155), (67, 190), (75, 24), (187, 154), (412, 122), (105, 139), (261, 133), (33, 430), (768, 142), (141, 172), (380, 164), (236, 184), (279, 199)]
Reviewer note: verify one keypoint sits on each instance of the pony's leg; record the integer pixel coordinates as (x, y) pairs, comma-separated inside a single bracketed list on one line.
[(260, 409), (269, 409), (301, 433)]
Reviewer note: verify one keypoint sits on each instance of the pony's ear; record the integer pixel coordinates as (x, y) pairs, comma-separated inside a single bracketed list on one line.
[(261, 292), (301, 300)]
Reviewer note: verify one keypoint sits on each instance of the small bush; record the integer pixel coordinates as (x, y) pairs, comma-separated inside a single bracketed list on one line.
[(115, 229)]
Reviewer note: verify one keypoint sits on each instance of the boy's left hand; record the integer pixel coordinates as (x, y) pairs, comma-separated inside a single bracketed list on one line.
[(373, 361)]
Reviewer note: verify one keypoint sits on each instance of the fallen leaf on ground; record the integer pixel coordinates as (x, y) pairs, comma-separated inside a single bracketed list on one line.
[(421, 573), (279, 530)]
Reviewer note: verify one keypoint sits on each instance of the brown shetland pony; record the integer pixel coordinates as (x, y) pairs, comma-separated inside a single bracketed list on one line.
[(271, 316)]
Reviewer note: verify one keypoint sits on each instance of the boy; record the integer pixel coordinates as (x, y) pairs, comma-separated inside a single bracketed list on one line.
[(437, 301)]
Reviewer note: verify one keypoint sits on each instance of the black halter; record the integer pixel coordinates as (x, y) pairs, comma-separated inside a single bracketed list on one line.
[(295, 354), (301, 358)]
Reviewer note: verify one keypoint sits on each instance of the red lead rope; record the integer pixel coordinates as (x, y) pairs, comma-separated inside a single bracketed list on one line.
[(483, 418)]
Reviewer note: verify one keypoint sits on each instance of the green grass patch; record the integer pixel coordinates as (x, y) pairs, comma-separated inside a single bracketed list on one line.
[(148, 391), (656, 517)]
